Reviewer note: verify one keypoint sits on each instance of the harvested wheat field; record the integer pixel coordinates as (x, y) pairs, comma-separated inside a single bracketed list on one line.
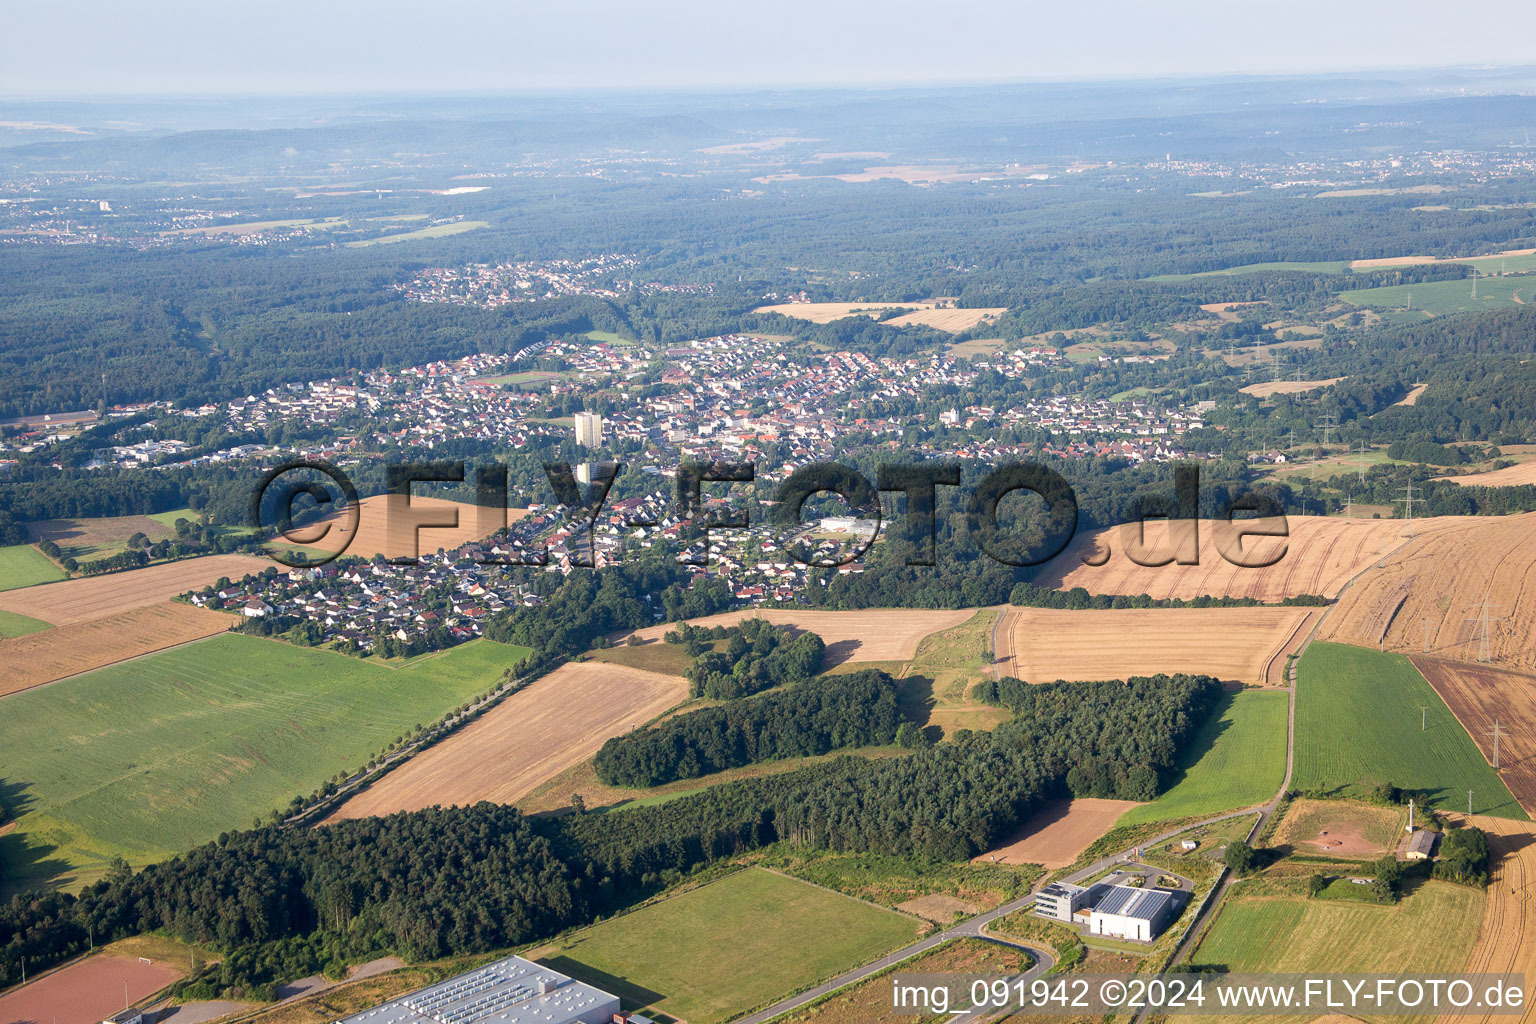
[(1479, 696), (1412, 397), (1287, 387), (1506, 942), (1518, 475), (386, 523), (876, 634), (952, 320), (1438, 582), (1319, 556), (43, 657), (826, 312), (95, 597), (1247, 645), (1058, 832), (532, 736)]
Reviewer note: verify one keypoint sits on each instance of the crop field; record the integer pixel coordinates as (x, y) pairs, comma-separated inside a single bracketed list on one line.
[(1426, 598), (877, 634), (951, 320), (1059, 831), (13, 625), (1479, 696), (1245, 644), (1504, 943), (1333, 267), (1359, 723), (84, 539), (977, 347), (95, 597), (1341, 828), (258, 226), (1518, 475), (42, 657), (1438, 298), (457, 227), (152, 756), (826, 312), (722, 949), (1319, 556), (22, 565), (86, 992), (1511, 260), (1430, 931), (1237, 759), (530, 737), (385, 527), (1287, 387), (869, 1002)]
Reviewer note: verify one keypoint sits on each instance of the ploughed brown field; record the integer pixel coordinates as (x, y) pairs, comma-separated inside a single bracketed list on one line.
[(1506, 943), (387, 526), (95, 597), (1426, 598), (1249, 645), (1061, 830), (85, 992), (51, 654), (1319, 556), (876, 634), (1479, 695), (527, 739)]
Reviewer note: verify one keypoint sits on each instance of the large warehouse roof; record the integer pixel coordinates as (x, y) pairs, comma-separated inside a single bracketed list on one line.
[(1128, 901), (509, 991)]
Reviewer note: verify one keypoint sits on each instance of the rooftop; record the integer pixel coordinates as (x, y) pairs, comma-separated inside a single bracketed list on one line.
[(509, 991), (1128, 901)]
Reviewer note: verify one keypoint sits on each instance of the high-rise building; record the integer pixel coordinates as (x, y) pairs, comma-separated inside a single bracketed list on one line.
[(589, 429)]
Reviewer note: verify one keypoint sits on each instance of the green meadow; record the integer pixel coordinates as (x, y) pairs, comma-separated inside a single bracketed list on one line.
[(149, 757)]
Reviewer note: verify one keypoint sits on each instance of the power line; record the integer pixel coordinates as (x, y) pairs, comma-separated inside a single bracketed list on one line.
[(1495, 731), (1485, 619), (1408, 502)]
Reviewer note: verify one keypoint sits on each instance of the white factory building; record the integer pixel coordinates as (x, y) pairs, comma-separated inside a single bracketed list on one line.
[(1127, 912), (509, 991)]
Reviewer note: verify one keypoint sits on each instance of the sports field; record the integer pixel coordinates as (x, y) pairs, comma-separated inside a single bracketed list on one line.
[(88, 991), (1359, 724), (1431, 930), (728, 947), (152, 756), (22, 565), (1237, 759)]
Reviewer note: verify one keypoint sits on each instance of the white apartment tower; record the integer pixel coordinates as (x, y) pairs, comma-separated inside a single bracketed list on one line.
[(589, 429)]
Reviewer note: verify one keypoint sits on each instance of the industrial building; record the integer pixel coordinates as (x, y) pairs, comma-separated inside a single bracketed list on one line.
[(1127, 912), (509, 991), (1060, 900)]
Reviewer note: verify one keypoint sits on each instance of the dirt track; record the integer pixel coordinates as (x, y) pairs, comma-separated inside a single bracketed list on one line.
[(51, 654), (95, 597), (527, 739), (878, 634)]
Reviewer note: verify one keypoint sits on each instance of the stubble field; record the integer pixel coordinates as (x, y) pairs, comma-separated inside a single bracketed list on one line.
[(386, 526), (95, 597), (1479, 696), (877, 634), (1504, 942), (45, 656), (1319, 556), (1244, 644), (1438, 582), (1058, 832), (527, 739)]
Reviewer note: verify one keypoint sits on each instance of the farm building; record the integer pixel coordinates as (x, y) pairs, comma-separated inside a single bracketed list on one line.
[(1060, 900), (509, 991), (1421, 845), (1127, 912), (128, 1016)]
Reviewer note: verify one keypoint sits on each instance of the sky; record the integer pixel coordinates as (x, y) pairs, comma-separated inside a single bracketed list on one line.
[(66, 48)]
